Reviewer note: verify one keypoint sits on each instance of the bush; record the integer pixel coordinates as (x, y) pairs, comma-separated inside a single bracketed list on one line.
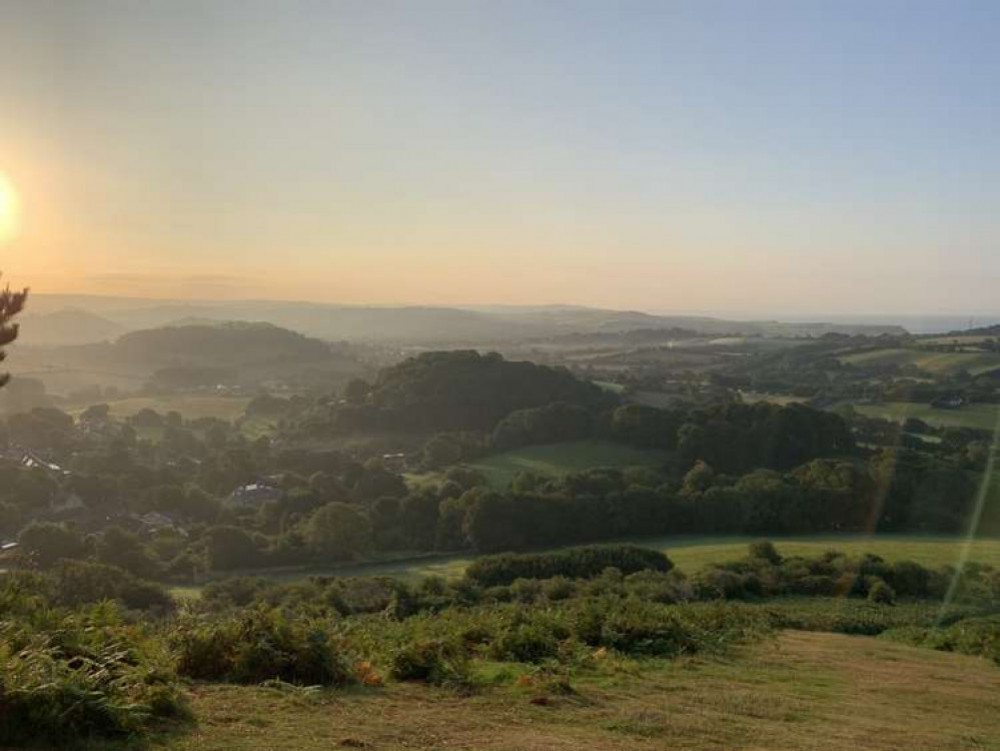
[(880, 592), (909, 579), (971, 636), (720, 583), (66, 678), (764, 550), (82, 582), (558, 588), (531, 641), (657, 586), (263, 645), (577, 563), (437, 661)]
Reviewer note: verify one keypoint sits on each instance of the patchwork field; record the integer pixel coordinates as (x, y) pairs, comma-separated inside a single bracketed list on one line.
[(752, 397), (800, 691), (980, 416), (975, 362)]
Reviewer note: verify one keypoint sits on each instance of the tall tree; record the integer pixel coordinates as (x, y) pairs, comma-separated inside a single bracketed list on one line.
[(11, 303)]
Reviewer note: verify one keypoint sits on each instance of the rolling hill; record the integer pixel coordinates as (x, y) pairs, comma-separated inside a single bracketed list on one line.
[(429, 325)]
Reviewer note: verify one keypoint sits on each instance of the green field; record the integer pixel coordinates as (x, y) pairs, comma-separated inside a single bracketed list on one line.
[(191, 406), (932, 362), (553, 460), (752, 397), (980, 416), (688, 553)]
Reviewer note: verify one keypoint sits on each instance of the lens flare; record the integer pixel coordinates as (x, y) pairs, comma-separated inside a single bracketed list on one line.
[(985, 489)]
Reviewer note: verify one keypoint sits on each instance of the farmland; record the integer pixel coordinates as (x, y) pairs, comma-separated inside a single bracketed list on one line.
[(975, 362), (980, 416), (553, 460), (191, 406)]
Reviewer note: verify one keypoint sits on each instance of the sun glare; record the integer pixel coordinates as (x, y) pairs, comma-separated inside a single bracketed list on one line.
[(8, 209)]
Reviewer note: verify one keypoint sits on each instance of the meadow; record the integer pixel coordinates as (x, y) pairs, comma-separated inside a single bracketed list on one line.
[(191, 406), (552, 460), (975, 362), (979, 416)]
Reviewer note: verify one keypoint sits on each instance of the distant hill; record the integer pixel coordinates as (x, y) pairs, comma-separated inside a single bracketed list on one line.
[(69, 326), (219, 345), (464, 390), (247, 352), (479, 326)]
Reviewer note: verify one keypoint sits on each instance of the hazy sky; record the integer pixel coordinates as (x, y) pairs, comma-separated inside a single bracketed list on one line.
[(712, 156)]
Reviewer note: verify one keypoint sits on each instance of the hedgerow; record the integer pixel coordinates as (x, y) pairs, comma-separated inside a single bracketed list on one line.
[(577, 563)]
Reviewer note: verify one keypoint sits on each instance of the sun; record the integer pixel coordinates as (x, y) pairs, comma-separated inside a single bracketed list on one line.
[(8, 209)]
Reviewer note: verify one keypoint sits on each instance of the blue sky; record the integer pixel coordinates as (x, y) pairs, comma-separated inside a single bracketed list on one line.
[(712, 156)]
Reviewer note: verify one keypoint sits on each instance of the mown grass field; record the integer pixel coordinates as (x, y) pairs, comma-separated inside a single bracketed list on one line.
[(562, 458), (191, 406), (801, 691), (980, 416), (752, 397), (932, 362), (553, 460), (688, 553)]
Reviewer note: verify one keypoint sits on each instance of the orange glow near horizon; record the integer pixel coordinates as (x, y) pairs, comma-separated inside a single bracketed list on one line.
[(9, 206)]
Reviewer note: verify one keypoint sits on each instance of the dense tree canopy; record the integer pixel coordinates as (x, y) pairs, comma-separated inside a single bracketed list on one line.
[(11, 303)]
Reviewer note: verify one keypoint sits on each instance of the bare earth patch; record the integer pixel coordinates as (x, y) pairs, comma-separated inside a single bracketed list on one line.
[(800, 691)]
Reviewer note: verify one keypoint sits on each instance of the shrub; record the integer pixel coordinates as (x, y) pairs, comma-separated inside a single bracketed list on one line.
[(972, 636), (639, 630), (657, 586), (909, 579), (532, 641), (577, 563), (262, 645), (714, 582), (880, 592), (526, 590), (764, 550), (81, 582), (558, 588), (437, 661), (66, 678)]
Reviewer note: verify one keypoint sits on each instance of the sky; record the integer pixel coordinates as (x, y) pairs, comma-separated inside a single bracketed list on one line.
[(765, 157)]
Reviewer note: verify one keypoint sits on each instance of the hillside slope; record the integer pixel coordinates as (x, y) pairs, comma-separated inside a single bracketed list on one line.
[(801, 692)]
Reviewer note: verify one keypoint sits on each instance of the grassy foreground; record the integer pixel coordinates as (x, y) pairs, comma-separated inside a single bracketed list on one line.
[(798, 691)]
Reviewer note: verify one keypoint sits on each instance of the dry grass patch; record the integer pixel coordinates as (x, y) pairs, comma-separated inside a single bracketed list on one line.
[(801, 691)]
